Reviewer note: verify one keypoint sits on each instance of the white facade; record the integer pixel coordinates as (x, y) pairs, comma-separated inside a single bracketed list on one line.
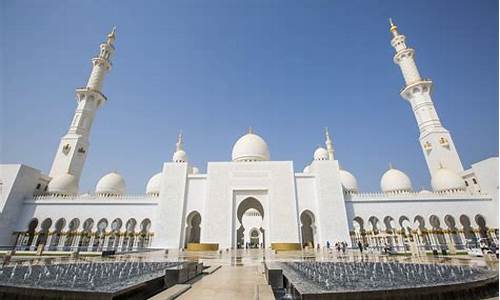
[(250, 199)]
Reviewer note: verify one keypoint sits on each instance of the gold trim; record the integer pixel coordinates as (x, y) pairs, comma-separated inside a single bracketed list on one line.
[(202, 246), (286, 246)]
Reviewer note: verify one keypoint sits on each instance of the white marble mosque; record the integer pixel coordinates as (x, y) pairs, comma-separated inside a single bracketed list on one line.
[(250, 200)]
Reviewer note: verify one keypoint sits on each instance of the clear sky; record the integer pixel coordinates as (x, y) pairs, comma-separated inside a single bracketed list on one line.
[(214, 68)]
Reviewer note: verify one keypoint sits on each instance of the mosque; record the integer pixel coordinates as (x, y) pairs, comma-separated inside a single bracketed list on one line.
[(250, 200)]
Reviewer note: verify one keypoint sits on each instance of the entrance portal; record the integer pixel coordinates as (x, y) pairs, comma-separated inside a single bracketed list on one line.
[(308, 228), (193, 229), (249, 225)]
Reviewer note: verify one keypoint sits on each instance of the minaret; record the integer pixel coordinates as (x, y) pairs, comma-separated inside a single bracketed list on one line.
[(435, 140), (329, 144), (73, 147), (180, 155)]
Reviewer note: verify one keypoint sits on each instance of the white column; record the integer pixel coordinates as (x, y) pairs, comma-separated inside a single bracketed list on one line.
[(90, 247), (106, 242), (76, 242), (120, 242), (20, 240), (48, 241), (62, 241), (136, 240), (34, 241), (150, 239)]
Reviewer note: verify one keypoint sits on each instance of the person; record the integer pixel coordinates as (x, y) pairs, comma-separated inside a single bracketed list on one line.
[(327, 244), (344, 245), (493, 247), (337, 246), (360, 246)]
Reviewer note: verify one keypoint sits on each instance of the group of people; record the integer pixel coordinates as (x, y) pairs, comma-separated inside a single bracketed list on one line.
[(339, 246)]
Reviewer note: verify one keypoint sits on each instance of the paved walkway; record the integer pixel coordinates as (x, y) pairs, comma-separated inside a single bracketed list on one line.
[(229, 282)]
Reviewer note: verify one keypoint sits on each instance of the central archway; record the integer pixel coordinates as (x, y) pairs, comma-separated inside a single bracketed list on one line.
[(193, 229), (308, 228), (249, 214)]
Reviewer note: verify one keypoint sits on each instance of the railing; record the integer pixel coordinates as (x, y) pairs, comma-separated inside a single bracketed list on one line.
[(414, 82), (417, 196), (91, 197)]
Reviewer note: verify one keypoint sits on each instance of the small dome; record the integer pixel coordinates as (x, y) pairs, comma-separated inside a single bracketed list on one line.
[(307, 169), (111, 184), (349, 182), (321, 154), (250, 147), (65, 184), (154, 184), (445, 180), (395, 181), (180, 156), (195, 170)]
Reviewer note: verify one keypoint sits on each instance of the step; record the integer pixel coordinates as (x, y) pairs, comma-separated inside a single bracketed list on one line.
[(264, 292), (211, 269), (172, 292)]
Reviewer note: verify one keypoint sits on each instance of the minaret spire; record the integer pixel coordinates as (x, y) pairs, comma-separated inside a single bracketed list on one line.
[(73, 147), (329, 145), (394, 28), (180, 143), (180, 155), (112, 36), (435, 140)]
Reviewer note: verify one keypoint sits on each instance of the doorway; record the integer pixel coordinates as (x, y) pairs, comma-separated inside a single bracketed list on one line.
[(250, 232)]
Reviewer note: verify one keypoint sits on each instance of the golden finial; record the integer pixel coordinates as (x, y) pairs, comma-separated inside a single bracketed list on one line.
[(112, 35), (390, 166), (393, 26), (250, 130), (179, 136)]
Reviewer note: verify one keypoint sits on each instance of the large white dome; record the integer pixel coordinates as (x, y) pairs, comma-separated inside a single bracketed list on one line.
[(111, 184), (180, 156), (65, 184), (349, 182), (321, 154), (154, 184), (395, 181), (445, 180), (250, 147)]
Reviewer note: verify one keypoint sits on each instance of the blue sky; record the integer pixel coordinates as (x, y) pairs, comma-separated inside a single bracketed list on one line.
[(214, 68)]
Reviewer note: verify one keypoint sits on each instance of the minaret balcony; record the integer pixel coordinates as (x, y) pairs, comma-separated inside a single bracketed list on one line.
[(416, 87), (90, 91)]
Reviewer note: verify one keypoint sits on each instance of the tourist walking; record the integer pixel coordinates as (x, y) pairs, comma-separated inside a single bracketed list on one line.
[(360, 246)]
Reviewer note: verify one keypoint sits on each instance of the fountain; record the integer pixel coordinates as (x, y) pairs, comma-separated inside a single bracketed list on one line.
[(87, 280), (382, 280)]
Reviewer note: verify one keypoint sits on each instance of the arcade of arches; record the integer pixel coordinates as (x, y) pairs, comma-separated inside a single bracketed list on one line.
[(430, 233), (86, 236)]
